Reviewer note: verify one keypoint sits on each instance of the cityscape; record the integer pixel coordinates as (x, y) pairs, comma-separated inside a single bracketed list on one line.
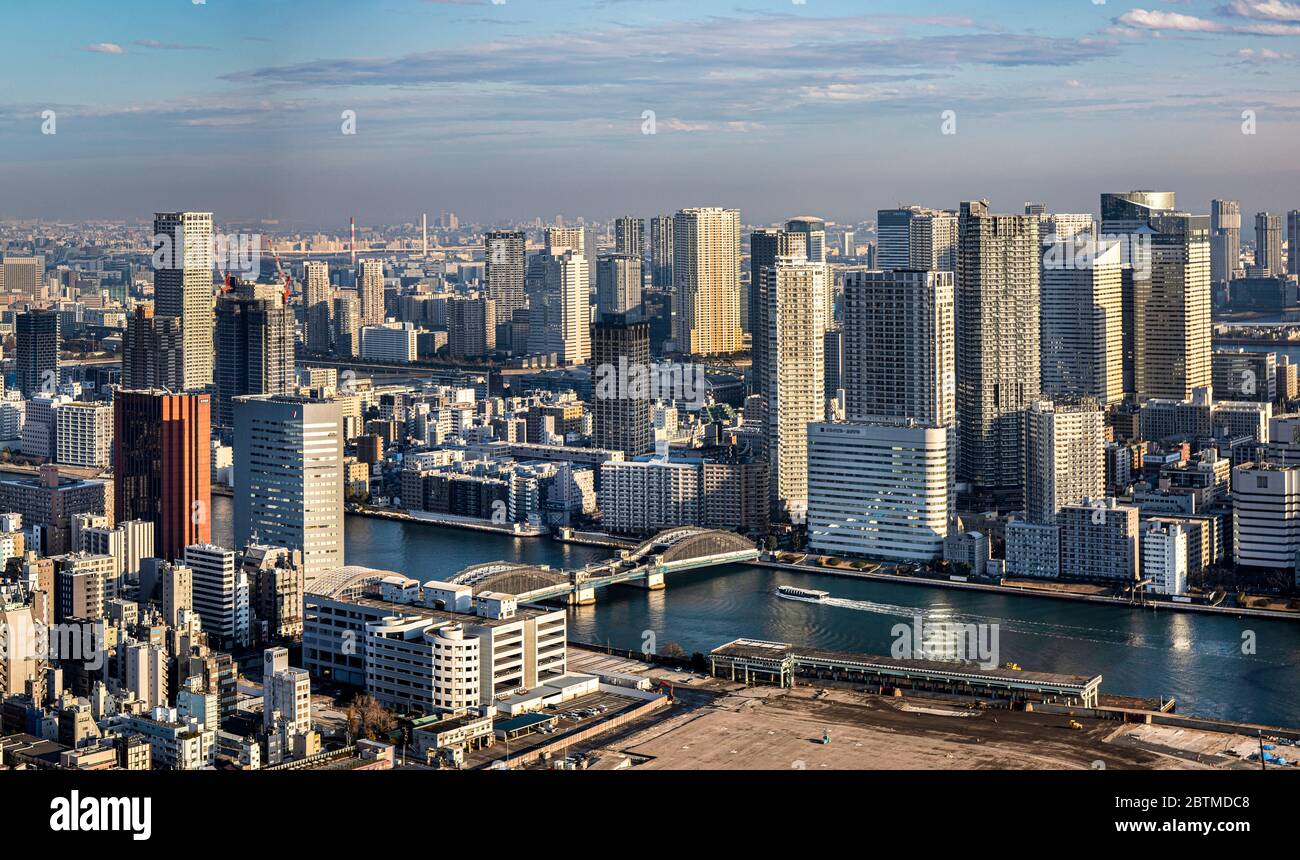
[(470, 474)]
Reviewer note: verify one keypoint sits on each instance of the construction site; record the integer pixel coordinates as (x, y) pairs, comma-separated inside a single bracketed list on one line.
[(715, 723)]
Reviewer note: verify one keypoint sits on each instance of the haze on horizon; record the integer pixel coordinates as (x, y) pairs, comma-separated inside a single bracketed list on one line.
[(505, 111)]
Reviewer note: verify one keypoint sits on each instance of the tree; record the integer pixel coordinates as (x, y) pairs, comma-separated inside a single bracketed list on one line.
[(369, 719), (672, 649)]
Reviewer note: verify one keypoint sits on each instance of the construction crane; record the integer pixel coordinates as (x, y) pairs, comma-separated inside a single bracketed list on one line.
[(288, 280)]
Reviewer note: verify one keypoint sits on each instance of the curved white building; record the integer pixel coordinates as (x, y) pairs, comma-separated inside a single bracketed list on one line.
[(878, 490)]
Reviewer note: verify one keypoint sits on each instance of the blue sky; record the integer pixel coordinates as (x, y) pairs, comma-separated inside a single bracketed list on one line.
[(535, 107)]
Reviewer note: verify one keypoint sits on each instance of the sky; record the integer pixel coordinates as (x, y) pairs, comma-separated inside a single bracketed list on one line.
[(526, 108)]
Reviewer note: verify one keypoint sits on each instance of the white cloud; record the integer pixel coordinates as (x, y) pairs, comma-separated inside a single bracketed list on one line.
[(1265, 10), (105, 48), (1151, 19)]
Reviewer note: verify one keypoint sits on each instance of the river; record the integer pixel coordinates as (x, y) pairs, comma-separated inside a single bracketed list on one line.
[(1201, 660)]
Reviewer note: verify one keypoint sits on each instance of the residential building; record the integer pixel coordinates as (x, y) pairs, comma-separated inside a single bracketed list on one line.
[(1082, 322), (1065, 456), (1099, 541), (706, 271), (795, 292), (255, 347), (998, 347), (370, 292), (84, 435), (899, 342)]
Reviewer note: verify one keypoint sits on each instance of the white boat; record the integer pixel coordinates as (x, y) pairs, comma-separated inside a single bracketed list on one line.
[(810, 595)]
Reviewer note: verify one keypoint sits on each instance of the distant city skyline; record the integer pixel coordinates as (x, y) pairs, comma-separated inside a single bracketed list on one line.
[(498, 110)]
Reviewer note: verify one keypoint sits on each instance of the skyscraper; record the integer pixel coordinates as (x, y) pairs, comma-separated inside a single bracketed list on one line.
[(255, 346), (370, 286), (933, 240), (618, 283), (1130, 211), (661, 252), (318, 309), (915, 237), (620, 357), (706, 266), (37, 361), (997, 308), (833, 348), (183, 287), (1065, 457), (561, 322), (347, 324), (899, 343), (162, 472), (893, 239), (1083, 321), (561, 239), (1293, 241), (153, 352), (503, 270), (795, 290), (1171, 312), (289, 477), (813, 229), (23, 275), (629, 236), (1268, 245), (1225, 240), (764, 247), (1167, 271), (472, 327)]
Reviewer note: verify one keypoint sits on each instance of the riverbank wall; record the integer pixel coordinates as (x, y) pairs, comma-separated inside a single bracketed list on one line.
[(1163, 606)]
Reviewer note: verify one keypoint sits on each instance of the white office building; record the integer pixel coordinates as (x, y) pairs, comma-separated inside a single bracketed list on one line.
[(389, 342), (878, 490), (1266, 515), (289, 477), (410, 650), (220, 593), (420, 663)]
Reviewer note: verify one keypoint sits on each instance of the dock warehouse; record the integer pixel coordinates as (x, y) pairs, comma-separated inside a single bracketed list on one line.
[(753, 661)]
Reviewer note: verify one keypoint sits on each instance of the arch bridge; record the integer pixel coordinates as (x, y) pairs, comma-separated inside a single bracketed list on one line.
[(677, 549)]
